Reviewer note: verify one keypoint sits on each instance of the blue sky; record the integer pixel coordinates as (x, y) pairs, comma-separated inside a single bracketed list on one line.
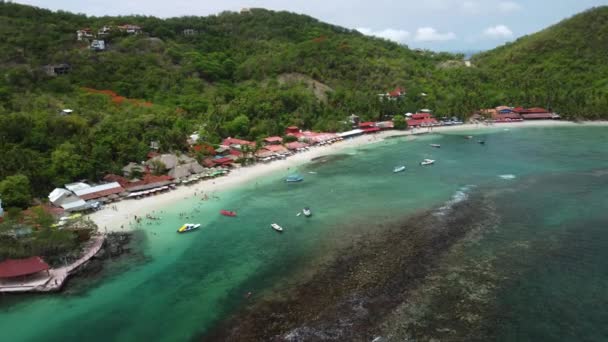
[(446, 25)]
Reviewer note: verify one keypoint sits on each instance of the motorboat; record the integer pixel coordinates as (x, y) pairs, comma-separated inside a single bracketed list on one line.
[(427, 162), (188, 227), (436, 145), (276, 227), (307, 212), (228, 213), (481, 142), (399, 169), (469, 137), (294, 178)]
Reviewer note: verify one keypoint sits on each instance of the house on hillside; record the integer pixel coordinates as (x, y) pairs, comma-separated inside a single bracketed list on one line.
[(393, 95), (57, 69), (130, 29), (104, 31), (84, 34), (189, 32), (354, 120)]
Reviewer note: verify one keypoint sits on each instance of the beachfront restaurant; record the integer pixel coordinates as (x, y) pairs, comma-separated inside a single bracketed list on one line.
[(23, 274)]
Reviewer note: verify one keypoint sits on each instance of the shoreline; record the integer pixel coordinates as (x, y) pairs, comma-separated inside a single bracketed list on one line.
[(119, 220)]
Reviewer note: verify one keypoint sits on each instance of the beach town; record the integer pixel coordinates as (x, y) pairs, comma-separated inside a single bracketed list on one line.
[(120, 202)]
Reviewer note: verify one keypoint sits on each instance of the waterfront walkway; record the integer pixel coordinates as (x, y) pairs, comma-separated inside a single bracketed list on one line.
[(56, 276)]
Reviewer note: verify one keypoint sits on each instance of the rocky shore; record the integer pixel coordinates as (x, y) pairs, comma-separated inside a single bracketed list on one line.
[(366, 285), (116, 244)]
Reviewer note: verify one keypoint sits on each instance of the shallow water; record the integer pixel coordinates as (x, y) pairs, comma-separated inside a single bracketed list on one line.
[(548, 187)]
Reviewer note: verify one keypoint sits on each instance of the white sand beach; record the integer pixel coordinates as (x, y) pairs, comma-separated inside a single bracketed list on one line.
[(109, 219)]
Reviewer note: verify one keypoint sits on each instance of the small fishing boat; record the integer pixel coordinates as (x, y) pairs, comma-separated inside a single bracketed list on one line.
[(228, 213), (436, 145), (427, 162), (469, 137), (276, 227), (481, 142), (188, 227), (294, 178), (307, 212), (399, 169)]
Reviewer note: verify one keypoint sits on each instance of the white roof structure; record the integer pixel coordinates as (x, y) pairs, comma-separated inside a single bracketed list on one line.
[(350, 133), (77, 205), (77, 186), (97, 188), (408, 114), (56, 195), (425, 110)]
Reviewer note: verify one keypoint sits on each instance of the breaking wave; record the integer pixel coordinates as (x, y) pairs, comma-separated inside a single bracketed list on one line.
[(459, 196), (507, 176)]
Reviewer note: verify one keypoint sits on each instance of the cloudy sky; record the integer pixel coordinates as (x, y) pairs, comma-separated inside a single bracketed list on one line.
[(447, 25)]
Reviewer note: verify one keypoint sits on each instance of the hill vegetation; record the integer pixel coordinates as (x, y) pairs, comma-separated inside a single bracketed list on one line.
[(562, 67), (245, 75)]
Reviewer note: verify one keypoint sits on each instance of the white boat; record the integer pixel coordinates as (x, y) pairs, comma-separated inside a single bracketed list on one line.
[(307, 212), (427, 162), (276, 227), (399, 169), (436, 145)]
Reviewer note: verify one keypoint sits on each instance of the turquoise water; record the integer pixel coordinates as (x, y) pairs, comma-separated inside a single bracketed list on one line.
[(551, 184)]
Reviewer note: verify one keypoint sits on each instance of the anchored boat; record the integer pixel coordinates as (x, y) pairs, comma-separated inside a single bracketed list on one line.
[(427, 162), (399, 169), (276, 227), (307, 212), (294, 178), (228, 213)]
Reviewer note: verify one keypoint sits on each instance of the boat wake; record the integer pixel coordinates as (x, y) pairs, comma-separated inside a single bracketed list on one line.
[(459, 196), (507, 177)]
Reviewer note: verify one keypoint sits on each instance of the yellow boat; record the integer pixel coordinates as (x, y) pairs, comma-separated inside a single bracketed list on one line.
[(188, 227)]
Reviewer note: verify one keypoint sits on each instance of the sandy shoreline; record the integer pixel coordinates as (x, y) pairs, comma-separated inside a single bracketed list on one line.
[(119, 220)]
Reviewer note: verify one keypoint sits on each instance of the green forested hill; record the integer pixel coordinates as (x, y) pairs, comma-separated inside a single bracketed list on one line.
[(227, 79), (563, 67)]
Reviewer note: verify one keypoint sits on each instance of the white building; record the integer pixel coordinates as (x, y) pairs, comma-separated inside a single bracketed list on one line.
[(98, 45), (67, 200), (84, 34)]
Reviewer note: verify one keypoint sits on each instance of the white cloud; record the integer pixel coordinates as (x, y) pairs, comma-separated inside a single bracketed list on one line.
[(498, 32), (399, 36), (509, 6), (429, 34), (470, 7)]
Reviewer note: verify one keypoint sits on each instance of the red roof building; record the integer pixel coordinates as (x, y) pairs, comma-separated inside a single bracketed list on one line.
[(296, 145), (421, 122), (223, 161), (368, 124), (371, 130), (292, 130), (22, 267), (233, 141), (275, 148), (537, 116), (420, 116), (273, 140)]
